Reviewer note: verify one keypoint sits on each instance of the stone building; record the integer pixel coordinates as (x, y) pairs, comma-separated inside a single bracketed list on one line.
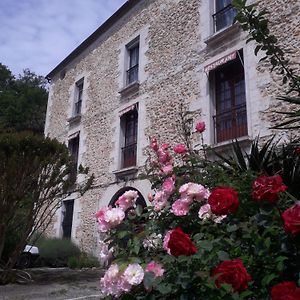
[(127, 80)]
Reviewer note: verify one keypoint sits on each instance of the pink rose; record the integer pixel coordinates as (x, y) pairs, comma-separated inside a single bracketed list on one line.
[(113, 282), (166, 241), (154, 144), (164, 156), (165, 146), (155, 268), (167, 169), (200, 127), (102, 224), (114, 216), (150, 197), (168, 186), (180, 149), (127, 200), (160, 200), (194, 191), (204, 212), (180, 207)]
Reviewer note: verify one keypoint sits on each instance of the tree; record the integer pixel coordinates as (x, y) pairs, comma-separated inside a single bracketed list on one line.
[(23, 101), (34, 178)]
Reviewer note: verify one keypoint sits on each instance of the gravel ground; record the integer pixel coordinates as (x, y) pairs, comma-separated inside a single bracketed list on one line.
[(60, 283)]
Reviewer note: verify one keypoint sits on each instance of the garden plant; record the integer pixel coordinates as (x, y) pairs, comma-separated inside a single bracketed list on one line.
[(222, 229)]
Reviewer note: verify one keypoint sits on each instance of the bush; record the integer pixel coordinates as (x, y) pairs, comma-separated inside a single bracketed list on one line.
[(84, 260), (213, 232), (56, 252)]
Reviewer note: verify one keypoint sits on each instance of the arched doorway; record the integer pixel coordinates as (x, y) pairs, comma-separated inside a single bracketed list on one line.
[(140, 201)]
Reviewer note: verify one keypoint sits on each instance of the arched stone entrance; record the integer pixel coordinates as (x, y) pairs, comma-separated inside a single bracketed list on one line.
[(140, 201)]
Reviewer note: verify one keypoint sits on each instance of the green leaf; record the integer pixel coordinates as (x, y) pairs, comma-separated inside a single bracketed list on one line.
[(267, 279), (164, 288), (232, 228), (245, 294), (148, 280), (223, 255), (207, 245), (122, 234)]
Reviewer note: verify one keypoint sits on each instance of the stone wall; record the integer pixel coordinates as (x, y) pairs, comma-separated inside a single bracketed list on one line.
[(176, 48)]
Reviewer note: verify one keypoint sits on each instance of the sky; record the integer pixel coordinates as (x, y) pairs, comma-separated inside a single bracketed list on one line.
[(39, 34)]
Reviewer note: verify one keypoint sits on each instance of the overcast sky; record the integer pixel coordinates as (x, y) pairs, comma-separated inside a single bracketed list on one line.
[(38, 34)]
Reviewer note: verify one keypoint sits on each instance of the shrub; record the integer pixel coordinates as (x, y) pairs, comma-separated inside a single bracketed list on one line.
[(212, 232), (56, 252), (83, 260)]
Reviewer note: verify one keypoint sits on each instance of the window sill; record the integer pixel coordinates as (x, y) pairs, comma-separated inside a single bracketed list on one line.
[(126, 172), (74, 119), (224, 146), (222, 34), (130, 89)]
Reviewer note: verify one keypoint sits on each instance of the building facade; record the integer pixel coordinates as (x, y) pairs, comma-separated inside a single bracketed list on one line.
[(128, 80)]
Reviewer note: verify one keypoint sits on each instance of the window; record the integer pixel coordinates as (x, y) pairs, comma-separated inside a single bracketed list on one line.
[(78, 98), (133, 50), (73, 146), (230, 120), (68, 208), (224, 14), (129, 127)]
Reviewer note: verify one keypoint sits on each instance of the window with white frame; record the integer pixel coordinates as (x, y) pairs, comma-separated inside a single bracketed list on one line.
[(224, 14), (67, 222), (133, 50), (78, 97), (230, 118), (129, 131)]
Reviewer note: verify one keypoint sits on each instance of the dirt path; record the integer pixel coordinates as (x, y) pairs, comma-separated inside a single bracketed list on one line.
[(59, 284)]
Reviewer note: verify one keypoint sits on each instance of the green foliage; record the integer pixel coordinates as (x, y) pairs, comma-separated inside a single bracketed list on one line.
[(255, 233), (83, 260), (34, 173), (23, 101), (56, 252)]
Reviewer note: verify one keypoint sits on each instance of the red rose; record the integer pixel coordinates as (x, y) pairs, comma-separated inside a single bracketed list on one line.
[(291, 219), (285, 291), (297, 151), (232, 272), (223, 201), (180, 243), (267, 188)]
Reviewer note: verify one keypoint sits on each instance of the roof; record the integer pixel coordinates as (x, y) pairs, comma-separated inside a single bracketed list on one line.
[(127, 6)]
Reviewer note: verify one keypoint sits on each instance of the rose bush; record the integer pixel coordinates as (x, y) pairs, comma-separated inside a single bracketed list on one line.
[(208, 233)]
